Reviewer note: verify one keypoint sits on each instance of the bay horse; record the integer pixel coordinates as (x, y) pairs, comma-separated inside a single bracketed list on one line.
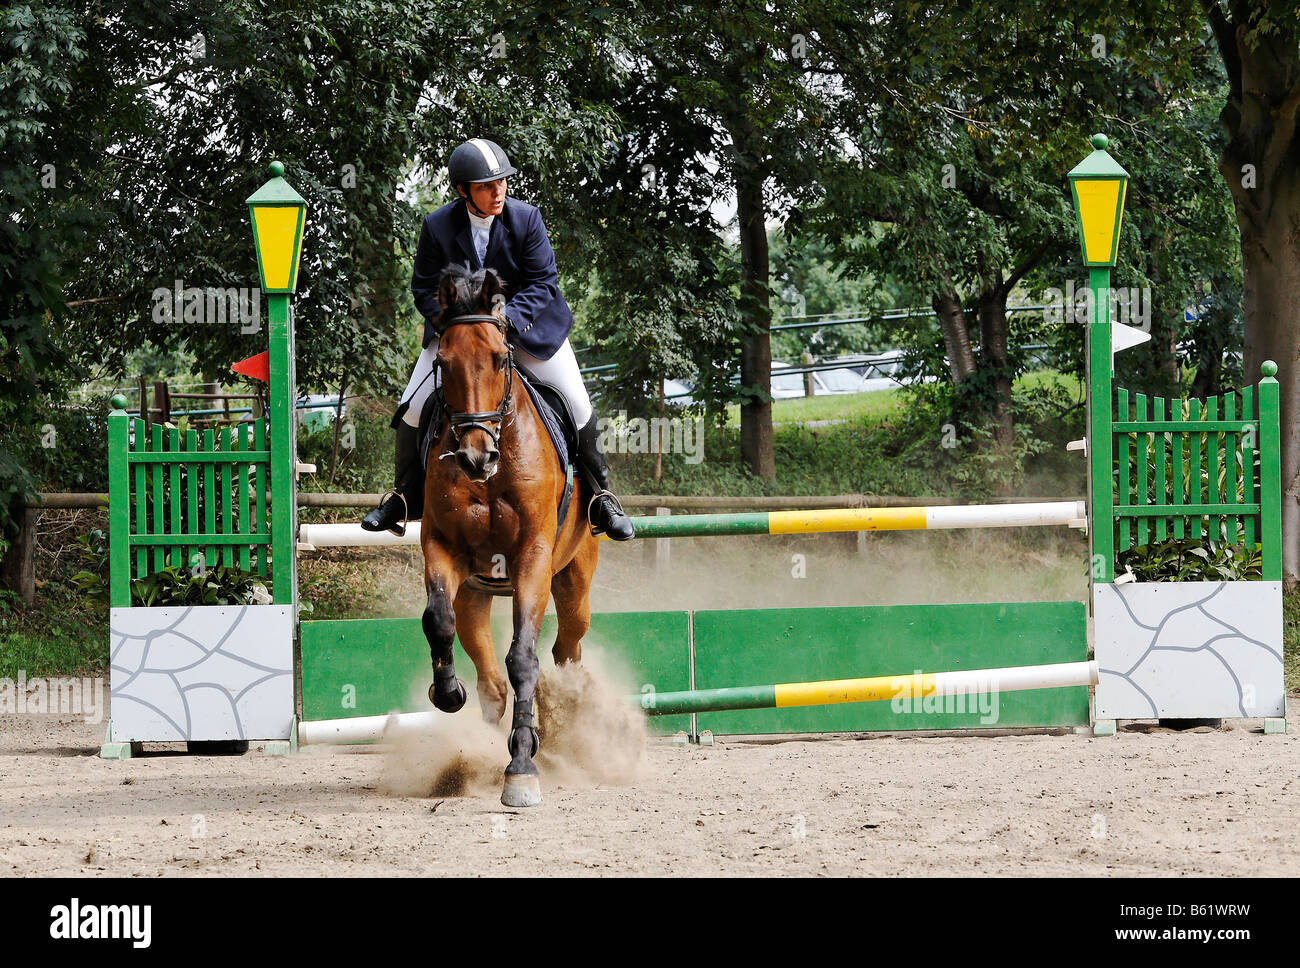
[(492, 490)]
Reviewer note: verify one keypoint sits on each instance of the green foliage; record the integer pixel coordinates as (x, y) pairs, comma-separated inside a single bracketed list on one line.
[(218, 585), (64, 447), (364, 466), (891, 442), (59, 635), (810, 282), (93, 578), (172, 585), (1191, 560), (16, 487), (928, 439)]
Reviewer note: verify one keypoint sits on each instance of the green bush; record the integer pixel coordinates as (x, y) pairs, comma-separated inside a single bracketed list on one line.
[(173, 585), (1180, 559), (66, 447), (218, 585)]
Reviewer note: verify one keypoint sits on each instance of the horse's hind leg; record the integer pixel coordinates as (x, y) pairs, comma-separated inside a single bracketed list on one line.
[(571, 588), (439, 623), (473, 615)]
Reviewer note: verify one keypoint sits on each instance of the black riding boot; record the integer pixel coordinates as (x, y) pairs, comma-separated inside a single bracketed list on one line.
[(604, 513), (405, 502)]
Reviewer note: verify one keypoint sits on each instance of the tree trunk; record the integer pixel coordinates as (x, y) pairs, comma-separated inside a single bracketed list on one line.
[(994, 357), (756, 349), (659, 443), (338, 422), (956, 337), (18, 570), (1209, 375), (1271, 273), (1260, 163), (1164, 331)]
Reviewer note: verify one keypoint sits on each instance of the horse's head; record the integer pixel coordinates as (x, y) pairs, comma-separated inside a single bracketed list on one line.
[(476, 366)]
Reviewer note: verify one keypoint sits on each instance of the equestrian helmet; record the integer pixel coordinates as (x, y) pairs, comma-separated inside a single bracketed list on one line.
[(478, 160)]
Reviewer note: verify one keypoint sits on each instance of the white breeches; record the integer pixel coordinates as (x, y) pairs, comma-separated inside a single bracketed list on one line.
[(560, 371)]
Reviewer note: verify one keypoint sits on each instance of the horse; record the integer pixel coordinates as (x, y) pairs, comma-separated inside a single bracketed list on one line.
[(491, 498)]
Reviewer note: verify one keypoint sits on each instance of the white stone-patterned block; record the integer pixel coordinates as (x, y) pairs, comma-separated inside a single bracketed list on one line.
[(201, 673), (1189, 650)]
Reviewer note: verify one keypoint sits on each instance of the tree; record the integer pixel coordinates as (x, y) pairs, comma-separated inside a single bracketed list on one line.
[(1259, 42), (712, 100), (132, 138)]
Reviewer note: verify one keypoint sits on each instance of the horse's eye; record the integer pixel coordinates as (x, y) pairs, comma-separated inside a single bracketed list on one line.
[(502, 364)]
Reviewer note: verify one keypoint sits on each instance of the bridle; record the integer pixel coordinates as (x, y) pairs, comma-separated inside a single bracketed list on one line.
[(489, 421)]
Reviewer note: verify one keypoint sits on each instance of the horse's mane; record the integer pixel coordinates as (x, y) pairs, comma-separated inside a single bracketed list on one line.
[(469, 283)]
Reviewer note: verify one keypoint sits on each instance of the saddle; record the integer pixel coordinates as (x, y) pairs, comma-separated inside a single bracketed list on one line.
[(562, 430)]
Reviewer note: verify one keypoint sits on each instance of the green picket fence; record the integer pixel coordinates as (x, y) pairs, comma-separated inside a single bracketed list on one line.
[(1199, 470), (185, 500)]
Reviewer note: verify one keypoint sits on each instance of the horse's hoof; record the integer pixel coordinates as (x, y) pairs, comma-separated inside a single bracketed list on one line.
[(451, 701), (522, 790)]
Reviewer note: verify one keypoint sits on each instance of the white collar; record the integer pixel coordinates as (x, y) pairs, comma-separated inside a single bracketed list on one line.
[(479, 223)]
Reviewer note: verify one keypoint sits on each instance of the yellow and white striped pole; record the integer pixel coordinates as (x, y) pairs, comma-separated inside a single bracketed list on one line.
[(917, 685), (1045, 514)]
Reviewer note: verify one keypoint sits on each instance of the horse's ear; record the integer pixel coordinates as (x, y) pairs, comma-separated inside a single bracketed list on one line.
[(448, 294), (492, 288)]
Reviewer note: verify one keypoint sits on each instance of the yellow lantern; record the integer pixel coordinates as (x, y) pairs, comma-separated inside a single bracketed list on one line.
[(277, 213), (1099, 186)]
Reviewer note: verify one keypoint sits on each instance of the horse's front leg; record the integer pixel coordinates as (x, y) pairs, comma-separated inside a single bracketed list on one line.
[(532, 587), (441, 580)]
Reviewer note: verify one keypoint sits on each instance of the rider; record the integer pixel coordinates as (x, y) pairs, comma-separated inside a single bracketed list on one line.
[(485, 228)]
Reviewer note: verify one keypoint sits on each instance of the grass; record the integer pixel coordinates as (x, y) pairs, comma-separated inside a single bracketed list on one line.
[(843, 406), (60, 635), (878, 405)]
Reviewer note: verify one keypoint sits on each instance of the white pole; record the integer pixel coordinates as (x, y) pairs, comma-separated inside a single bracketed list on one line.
[(363, 729), (1017, 678), (1004, 515), (313, 536)]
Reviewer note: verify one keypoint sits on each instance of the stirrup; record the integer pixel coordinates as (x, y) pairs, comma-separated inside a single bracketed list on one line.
[(399, 528), (603, 492)]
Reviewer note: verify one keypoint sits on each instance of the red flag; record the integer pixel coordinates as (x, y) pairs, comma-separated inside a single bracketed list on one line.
[(258, 367)]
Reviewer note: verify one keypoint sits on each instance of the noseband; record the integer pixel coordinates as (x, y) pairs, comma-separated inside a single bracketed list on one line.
[(489, 421)]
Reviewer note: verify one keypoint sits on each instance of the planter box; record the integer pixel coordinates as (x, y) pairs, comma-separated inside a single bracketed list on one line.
[(201, 673), (1189, 650)]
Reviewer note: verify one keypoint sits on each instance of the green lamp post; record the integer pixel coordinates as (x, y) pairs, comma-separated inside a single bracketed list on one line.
[(277, 213), (1099, 185)]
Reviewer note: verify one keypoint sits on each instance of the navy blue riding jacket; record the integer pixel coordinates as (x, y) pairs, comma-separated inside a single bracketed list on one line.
[(520, 252)]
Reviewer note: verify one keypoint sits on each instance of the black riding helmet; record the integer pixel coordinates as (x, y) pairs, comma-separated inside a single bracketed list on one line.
[(478, 160)]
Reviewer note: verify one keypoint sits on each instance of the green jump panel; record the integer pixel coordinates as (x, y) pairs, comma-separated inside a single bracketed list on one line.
[(365, 667), (371, 667), (751, 647)]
